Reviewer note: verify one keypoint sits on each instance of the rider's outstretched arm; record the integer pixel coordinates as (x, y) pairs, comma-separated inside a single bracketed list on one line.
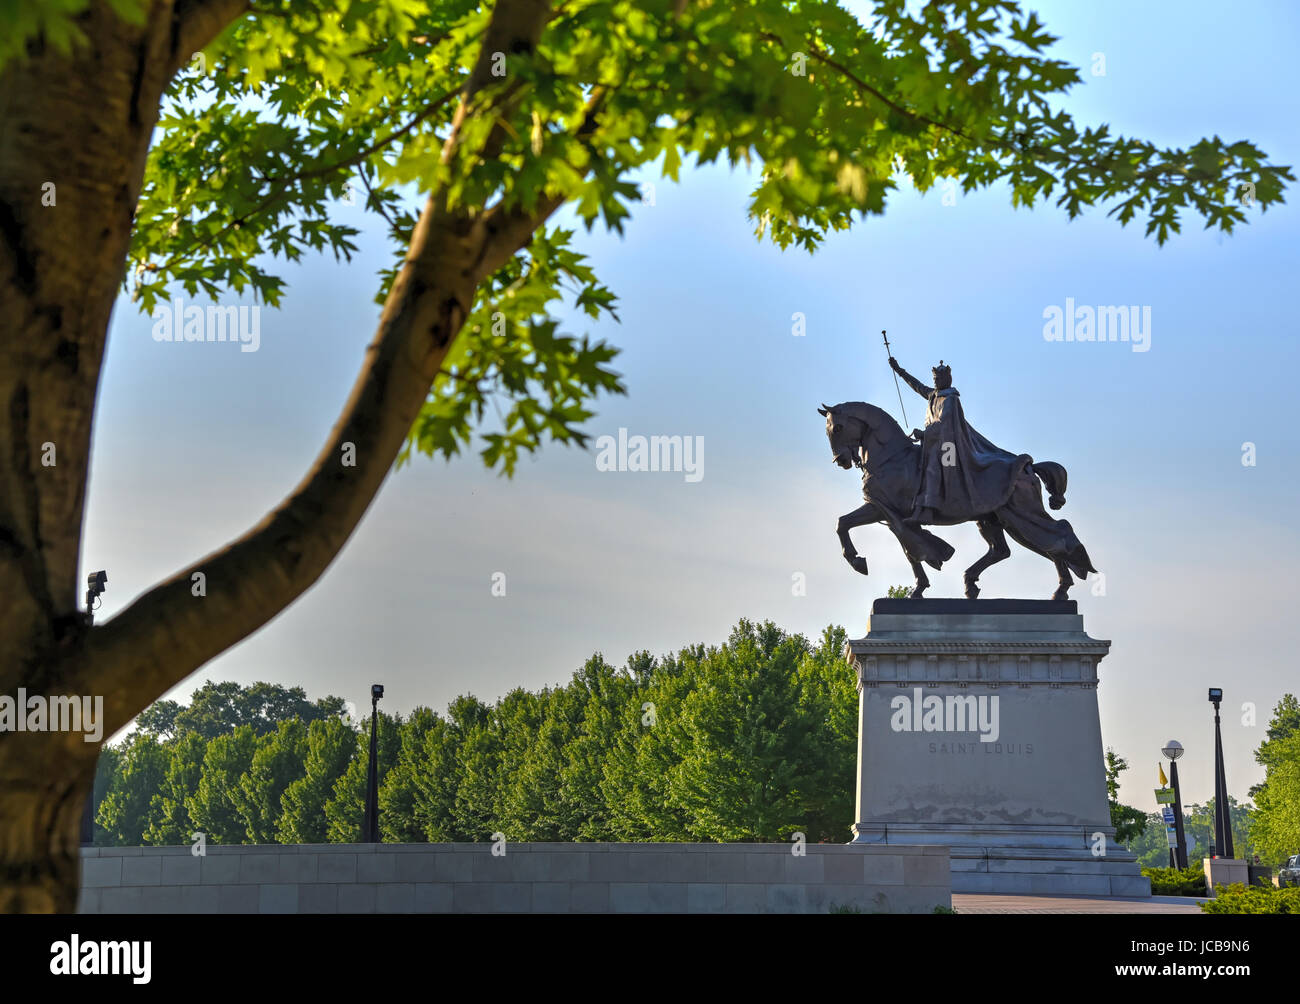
[(925, 390)]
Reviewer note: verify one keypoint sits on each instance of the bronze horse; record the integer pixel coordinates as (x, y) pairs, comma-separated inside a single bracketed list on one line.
[(864, 436)]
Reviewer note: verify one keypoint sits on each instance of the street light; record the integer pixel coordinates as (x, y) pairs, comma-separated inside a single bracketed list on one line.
[(1178, 855), (1222, 812), (370, 826)]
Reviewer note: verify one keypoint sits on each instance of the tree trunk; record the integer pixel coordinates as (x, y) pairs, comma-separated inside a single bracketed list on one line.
[(83, 124), (45, 779)]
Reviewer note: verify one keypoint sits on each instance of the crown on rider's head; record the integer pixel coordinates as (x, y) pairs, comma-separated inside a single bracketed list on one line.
[(941, 369)]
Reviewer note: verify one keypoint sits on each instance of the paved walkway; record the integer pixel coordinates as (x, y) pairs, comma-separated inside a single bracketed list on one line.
[(968, 902)]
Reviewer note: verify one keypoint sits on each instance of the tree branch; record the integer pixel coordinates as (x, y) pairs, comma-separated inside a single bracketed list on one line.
[(168, 632)]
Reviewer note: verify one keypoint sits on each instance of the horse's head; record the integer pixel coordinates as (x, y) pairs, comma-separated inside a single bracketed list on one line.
[(862, 434), (845, 433)]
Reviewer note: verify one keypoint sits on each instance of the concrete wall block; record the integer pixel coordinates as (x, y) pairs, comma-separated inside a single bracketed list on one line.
[(925, 870), (200, 899), (789, 897), (176, 869), (318, 897), (259, 869), (745, 898), (705, 897), (433, 897), (805, 868), (609, 867), (888, 868), (160, 899), (629, 897), (238, 899), (100, 872), (219, 869), (357, 897), (299, 868), (142, 870), (487, 868), (377, 867), (280, 897), (471, 897), (766, 867), (121, 900), (395, 897), (589, 897), (414, 867), (725, 867), (339, 868), (847, 868), (552, 897), (510, 897), (453, 866)]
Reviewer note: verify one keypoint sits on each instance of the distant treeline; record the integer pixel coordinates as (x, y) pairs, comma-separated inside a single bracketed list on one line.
[(754, 739), (751, 740)]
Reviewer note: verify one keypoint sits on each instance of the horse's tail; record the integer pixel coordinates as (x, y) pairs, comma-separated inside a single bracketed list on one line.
[(1053, 476)]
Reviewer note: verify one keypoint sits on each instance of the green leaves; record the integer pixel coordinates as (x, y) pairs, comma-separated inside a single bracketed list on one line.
[(305, 104), (510, 350)]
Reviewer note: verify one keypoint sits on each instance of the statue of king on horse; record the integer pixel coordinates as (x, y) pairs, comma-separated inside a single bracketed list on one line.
[(944, 475)]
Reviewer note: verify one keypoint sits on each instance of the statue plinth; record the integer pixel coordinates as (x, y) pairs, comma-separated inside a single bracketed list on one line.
[(978, 728)]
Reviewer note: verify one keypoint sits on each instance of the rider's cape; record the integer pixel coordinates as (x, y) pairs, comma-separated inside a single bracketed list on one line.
[(963, 475)]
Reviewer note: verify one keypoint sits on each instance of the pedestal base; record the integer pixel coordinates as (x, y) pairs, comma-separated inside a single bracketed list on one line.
[(979, 730)]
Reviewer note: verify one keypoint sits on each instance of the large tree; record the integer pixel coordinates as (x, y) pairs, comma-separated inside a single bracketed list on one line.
[(125, 161)]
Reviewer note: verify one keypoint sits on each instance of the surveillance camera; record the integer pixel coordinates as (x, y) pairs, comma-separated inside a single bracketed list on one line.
[(377, 690), (1216, 695), (97, 581)]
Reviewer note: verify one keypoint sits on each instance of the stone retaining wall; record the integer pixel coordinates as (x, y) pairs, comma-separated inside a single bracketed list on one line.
[(528, 878)]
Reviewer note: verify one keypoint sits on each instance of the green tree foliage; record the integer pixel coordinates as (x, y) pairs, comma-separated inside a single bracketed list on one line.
[(159, 719), (298, 101), (1275, 824), (1128, 821), (277, 762), (400, 791), (215, 805), (218, 708), (171, 814), (331, 747), (438, 780), (125, 813)]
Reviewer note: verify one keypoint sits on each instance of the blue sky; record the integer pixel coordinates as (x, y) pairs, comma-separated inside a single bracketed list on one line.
[(195, 442)]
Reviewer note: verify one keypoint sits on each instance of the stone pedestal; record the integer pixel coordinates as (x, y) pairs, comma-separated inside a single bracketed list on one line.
[(978, 729), (1225, 871)]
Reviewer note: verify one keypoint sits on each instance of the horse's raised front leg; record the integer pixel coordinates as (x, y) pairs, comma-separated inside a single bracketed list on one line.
[(998, 550), (1067, 580), (860, 516)]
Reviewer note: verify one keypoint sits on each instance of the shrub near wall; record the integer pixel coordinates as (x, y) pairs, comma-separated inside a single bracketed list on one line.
[(1188, 881), (1253, 899)]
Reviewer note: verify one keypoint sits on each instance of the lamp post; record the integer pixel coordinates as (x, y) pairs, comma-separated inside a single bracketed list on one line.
[(1222, 811), (370, 826), (1173, 750)]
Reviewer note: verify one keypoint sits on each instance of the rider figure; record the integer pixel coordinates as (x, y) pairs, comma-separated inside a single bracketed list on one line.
[(939, 420)]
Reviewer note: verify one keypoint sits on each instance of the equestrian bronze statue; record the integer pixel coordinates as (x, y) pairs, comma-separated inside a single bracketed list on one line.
[(944, 475)]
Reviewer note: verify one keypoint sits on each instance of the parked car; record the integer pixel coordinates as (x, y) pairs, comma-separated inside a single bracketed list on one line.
[(1289, 873)]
